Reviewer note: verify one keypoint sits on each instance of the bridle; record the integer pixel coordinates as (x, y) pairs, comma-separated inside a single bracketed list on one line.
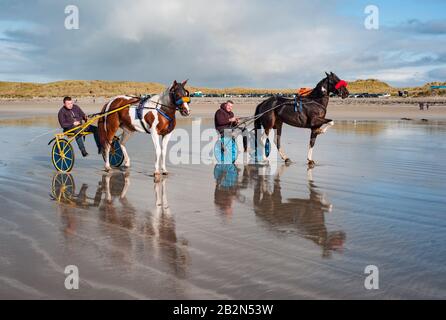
[(341, 83), (180, 101)]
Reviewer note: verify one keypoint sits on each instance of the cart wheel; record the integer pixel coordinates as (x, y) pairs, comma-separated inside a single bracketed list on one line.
[(63, 156), (62, 188), (225, 150), (267, 147), (116, 156)]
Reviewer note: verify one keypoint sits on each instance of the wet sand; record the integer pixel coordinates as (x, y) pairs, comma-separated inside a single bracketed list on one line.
[(376, 197)]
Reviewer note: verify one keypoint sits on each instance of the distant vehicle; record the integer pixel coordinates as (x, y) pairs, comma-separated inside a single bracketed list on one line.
[(383, 95), (197, 94)]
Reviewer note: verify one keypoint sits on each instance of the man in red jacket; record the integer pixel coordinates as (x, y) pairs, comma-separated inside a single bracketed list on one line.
[(71, 116)]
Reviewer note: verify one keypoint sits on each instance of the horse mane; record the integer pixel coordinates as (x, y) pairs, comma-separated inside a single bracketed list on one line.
[(317, 90)]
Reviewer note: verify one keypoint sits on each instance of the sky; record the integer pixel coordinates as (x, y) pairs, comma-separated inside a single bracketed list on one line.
[(260, 44)]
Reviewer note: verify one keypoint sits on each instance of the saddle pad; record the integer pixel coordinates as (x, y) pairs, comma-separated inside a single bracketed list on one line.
[(304, 91)]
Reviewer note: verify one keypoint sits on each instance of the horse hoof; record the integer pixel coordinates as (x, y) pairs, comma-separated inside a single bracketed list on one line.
[(107, 169), (311, 164), (165, 173), (287, 161), (156, 177)]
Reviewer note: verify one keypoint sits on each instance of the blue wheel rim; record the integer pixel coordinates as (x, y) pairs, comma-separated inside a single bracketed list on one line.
[(63, 158), (116, 156), (267, 147), (229, 154)]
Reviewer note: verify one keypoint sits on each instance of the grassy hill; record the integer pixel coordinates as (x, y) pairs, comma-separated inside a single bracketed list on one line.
[(97, 88), (426, 90), (371, 86)]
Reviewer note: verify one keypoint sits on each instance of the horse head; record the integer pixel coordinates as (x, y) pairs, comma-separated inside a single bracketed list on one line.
[(336, 85), (180, 97)]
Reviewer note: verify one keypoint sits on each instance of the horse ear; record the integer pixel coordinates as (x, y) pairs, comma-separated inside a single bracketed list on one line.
[(326, 73), (184, 82), (175, 83)]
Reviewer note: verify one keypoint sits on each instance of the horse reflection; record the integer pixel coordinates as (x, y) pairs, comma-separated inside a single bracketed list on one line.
[(304, 216), (155, 229), (114, 187), (160, 226)]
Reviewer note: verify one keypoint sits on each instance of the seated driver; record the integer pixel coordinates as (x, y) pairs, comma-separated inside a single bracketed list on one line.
[(225, 119), (71, 116)]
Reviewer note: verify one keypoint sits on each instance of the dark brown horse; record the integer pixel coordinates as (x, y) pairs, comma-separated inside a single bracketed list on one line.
[(304, 112)]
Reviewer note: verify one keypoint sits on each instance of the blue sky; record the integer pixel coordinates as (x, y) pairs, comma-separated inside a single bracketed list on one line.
[(397, 11), (288, 43)]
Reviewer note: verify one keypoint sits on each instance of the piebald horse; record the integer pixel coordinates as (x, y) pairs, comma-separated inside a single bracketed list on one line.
[(304, 112), (158, 119)]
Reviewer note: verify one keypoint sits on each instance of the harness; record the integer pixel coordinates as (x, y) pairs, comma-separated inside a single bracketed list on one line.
[(166, 116), (300, 104), (145, 98), (139, 112)]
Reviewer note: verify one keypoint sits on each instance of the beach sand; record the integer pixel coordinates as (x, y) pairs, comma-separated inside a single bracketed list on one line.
[(209, 231), (349, 109)]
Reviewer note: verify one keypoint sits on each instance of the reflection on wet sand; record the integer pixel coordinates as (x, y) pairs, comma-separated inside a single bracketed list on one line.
[(156, 226), (369, 128), (304, 216)]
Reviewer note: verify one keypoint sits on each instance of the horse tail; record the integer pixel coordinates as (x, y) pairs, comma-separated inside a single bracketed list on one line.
[(102, 130), (259, 109)]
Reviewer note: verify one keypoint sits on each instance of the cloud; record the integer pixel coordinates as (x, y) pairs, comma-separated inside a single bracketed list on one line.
[(438, 73), (432, 27), (215, 44)]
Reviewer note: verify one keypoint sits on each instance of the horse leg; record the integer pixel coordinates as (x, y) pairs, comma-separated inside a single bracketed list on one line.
[(125, 137), (156, 143), (109, 132), (328, 123), (165, 141), (279, 147), (313, 136), (106, 156)]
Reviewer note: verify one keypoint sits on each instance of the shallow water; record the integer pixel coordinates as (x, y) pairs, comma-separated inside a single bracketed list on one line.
[(376, 197)]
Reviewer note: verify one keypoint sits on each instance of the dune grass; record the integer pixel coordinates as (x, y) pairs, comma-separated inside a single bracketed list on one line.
[(99, 88)]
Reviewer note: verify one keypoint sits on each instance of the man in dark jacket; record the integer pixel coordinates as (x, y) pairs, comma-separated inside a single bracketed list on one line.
[(71, 116), (224, 119)]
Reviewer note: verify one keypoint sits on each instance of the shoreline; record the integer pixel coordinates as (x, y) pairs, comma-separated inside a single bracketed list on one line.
[(348, 109)]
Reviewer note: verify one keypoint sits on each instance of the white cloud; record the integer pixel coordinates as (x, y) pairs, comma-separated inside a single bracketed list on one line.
[(218, 43)]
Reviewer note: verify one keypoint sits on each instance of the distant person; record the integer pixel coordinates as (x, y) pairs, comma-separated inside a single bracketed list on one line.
[(71, 116), (225, 119), (427, 105), (421, 105)]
